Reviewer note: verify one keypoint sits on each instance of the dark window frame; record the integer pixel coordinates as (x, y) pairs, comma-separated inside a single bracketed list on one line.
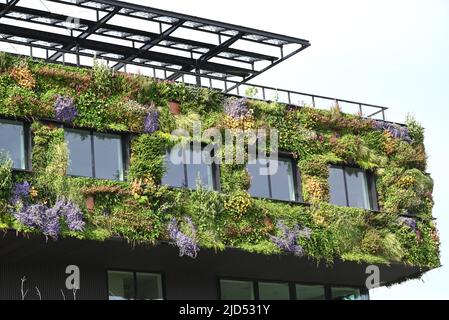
[(135, 272), (27, 141), (296, 176), (215, 168), (125, 150), (370, 181), (291, 284)]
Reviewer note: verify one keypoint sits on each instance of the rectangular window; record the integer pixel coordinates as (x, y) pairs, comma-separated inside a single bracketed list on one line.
[(124, 285), (352, 187), (274, 179), (12, 142), (185, 167), (274, 291), (310, 292), (95, 155), (236, 290)]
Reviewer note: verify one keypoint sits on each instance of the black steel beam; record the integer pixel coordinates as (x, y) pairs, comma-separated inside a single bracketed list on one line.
[(208, 55), (131, 31), (221, 47), (86, 33), (150, 44), (7, 7), (120, 50), (267, 68)]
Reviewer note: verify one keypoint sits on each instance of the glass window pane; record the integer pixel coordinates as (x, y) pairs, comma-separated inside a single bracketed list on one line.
[(80, 156), (236, 290), (12, 142), (343, 293), (121, 285), (197, 170), (259, 183), (304, 292), (357, 188), (274, 291), (108, 156), (149, 286), (337, 186), (174, 168), (282, 180)]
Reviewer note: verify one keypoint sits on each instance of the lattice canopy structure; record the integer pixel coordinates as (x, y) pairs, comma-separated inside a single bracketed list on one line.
[(137, 38)]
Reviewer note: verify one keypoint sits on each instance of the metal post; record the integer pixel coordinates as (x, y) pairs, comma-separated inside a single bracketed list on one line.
[(77, 55), (313, 101), (198, 78)]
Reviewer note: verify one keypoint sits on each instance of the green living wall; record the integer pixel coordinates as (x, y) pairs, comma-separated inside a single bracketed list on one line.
[(140, 210)]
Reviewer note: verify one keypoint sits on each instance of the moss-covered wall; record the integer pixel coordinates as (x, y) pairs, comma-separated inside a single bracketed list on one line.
[(142, 211)]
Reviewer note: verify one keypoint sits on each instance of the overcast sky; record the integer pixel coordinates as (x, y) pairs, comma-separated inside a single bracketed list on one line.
[(392, 53)]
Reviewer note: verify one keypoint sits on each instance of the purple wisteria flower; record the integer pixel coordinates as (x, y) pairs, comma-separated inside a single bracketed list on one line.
[(396, 131), (71, 212), (40, 217), (65, 109), (288, 240), (151, 123), (236, 108), (20, 192), (187, 245), (47, 220), (409, 222)]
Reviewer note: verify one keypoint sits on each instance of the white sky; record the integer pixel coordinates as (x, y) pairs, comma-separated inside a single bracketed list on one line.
[(392, 53)]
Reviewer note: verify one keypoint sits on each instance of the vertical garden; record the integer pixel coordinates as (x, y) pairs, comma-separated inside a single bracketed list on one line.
[(45, 200)]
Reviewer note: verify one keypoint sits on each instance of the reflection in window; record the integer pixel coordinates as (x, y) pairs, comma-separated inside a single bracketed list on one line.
[(279, 184), (260, 184), (274, 291), (12, 142), (98, 155), (123, 285), (108, 156), (310, 292), (185, 167), (349, 187), (282, 181), (80, 153), (149, 286), (357, 186), (343, 293), (236, 290), (174, 171)]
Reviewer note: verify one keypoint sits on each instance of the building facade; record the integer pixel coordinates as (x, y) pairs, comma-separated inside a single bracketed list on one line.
[(101, 197)]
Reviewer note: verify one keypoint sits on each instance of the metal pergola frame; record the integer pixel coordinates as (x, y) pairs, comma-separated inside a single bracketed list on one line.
[(227, 63), (202, 57)]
